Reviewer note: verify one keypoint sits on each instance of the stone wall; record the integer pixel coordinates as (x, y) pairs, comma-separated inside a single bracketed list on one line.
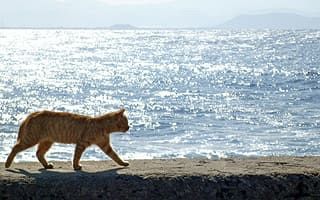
[(167, 181)]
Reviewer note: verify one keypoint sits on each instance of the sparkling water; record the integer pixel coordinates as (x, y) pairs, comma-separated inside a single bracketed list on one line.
[(188, 93)]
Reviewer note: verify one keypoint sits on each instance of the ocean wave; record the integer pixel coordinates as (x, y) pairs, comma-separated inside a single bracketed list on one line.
[(190, 93)]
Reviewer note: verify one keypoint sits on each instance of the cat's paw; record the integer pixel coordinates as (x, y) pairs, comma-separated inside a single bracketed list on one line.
[(79, 167), (125, 163), (49, 166), (7, 165)]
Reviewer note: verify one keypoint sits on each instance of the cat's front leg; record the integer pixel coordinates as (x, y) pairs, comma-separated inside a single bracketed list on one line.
[(107, 149), (114, 156)]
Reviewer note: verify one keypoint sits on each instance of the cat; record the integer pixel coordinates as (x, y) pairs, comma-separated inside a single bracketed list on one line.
[(46, 127)]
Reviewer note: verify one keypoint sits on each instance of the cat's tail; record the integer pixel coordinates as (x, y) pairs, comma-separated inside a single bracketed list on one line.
[(23, 126), (21, 130)]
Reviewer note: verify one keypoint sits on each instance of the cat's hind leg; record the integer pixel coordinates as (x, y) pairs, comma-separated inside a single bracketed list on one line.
[(43, 147), (20, 146), (80, 147)]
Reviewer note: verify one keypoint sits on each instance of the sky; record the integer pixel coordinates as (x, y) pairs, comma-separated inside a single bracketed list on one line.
[(141, 13)]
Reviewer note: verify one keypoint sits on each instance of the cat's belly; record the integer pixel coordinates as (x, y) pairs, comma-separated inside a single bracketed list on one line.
[(65, 137)]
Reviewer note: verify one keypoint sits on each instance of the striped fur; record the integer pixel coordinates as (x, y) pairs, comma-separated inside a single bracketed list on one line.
[(46, 127)]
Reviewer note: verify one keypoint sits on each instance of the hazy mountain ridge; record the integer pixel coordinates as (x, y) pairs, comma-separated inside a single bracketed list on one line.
[(122, 26), (273, 21)]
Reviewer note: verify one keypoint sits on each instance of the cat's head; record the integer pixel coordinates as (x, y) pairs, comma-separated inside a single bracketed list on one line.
[(121, 121)]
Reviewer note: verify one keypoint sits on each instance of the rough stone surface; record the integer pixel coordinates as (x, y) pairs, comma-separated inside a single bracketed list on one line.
[(241, 178)]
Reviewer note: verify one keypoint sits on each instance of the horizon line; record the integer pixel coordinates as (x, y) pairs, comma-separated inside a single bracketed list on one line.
[(99, 27), (146, 28)]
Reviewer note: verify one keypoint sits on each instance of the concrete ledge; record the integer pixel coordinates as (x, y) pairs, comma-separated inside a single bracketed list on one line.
[(245, 178)]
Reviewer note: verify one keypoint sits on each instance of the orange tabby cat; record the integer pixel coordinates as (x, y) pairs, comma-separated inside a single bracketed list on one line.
[(46, 127)]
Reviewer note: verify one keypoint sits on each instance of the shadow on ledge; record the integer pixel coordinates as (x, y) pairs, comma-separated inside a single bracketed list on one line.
[(109, 184)]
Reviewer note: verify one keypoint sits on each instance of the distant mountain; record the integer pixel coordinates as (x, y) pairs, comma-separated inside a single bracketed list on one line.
[(122, 26), (272, 21)]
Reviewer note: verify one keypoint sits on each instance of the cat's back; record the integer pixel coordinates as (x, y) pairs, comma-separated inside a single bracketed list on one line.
[(49, 115), (57, 126), (58, 120)]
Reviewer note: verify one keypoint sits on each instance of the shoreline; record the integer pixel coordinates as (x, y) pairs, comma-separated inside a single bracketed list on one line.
[(236, 178)]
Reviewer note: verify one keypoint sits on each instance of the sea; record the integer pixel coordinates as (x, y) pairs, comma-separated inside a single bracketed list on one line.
[(188, 93)]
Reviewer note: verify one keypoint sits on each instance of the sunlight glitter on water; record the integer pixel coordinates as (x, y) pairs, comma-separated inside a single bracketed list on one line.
[(188, 93)]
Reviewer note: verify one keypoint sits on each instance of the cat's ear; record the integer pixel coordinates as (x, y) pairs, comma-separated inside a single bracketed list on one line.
[(121, 111)]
